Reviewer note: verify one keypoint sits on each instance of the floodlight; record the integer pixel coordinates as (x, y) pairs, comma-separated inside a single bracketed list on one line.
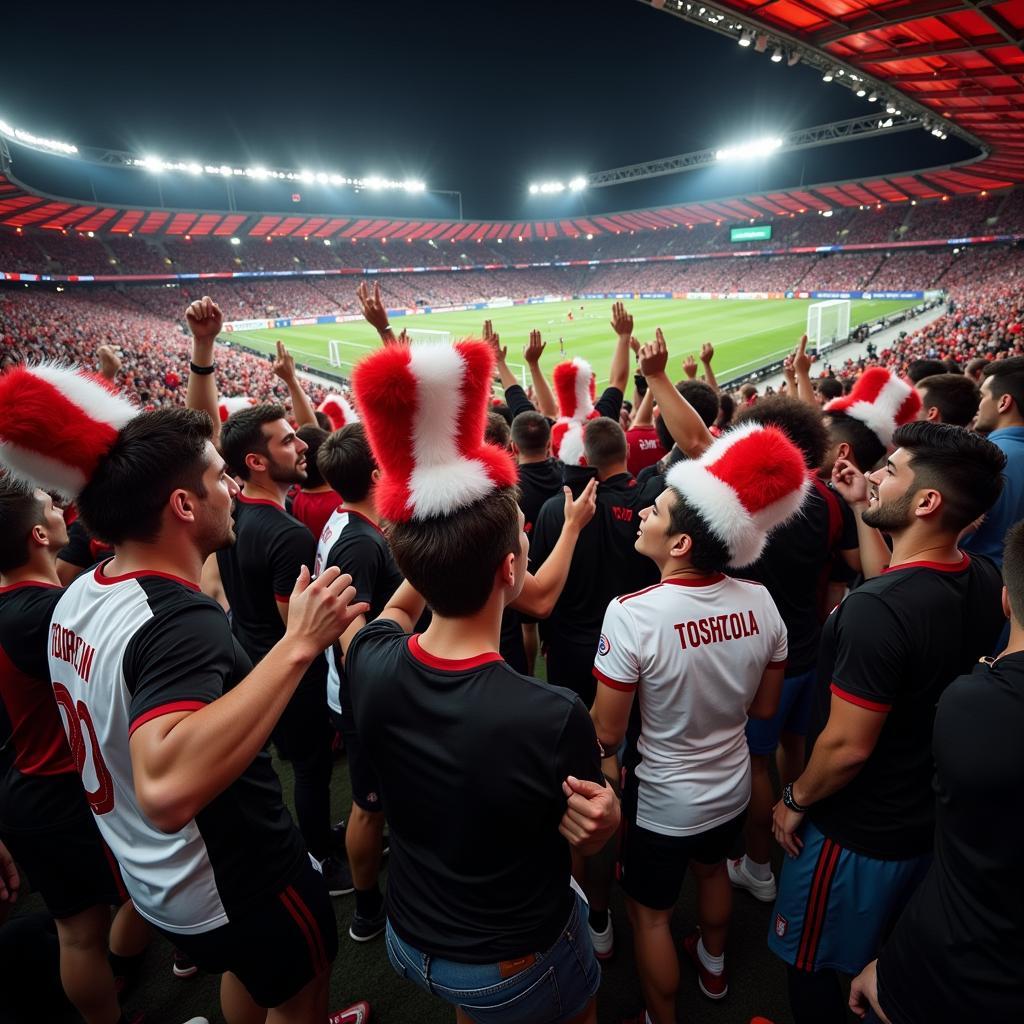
[(759, 147), (577, 184), (412, 185), (589, 236), (259, 173), (236, 241), (374, 181), (828, 76), (225, 170), (336, 179), (777, 55), (152, 163), (826, 213), (327, 241), (862, 91), (746, 38), (873, 97), (322, 178), (307, 176), (534, 189), (890, 107)]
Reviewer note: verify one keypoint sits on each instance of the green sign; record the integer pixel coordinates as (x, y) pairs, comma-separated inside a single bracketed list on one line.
[(755, 233)]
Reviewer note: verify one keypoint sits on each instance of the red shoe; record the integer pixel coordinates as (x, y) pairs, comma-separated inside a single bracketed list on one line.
[(714, 986), (357, 1013)]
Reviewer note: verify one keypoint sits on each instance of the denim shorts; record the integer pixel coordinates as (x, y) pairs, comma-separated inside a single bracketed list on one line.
[(556, 987)]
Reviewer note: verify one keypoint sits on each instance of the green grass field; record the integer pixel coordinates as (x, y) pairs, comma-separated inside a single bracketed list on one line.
[(746, 334)]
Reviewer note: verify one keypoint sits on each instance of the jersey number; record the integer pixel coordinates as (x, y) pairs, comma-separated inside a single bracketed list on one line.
[(101, 799)]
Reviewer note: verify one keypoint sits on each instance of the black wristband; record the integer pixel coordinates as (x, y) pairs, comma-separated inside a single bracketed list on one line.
[(201, 370), (790, 801)]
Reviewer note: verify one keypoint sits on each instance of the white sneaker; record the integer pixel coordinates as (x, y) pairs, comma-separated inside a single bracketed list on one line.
[(741, 878), (603, 941)]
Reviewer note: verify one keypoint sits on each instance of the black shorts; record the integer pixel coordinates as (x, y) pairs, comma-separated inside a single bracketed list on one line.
[(652, 866), (274, 946), (365, 787), (68, 864)]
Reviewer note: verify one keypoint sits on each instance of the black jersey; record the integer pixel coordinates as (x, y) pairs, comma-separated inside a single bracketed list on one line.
[(259, 572), (356, 546), (894, 645), (127, 649), (957, 953), (39, 783), (604, 563), (796, 565), (538, 481), (471, 757)]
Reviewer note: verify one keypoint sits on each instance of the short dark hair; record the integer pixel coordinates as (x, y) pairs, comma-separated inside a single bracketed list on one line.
[(323, 421), (863, 441), (451, 560), (502, 410), (531, 433), (726, 409), (952, 366), (1013, 568), (800, 422), (313, 437), (708, 553), (954, 395), (964, 467), (20, 511), (1007, 376), (346, 462), (748, 391), (704, 400), (921, 368), (154, 454), (496, 430), (604, 442), (976, 365), (828, 387), (242, 435)]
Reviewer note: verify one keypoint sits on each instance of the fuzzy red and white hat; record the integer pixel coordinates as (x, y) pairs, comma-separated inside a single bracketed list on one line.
[(424, 407), (227, 406), (751, 480), (56, 423), (881, 401), (575, 390), (338, 410)]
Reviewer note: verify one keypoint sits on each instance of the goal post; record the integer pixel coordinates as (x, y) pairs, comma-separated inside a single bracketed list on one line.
[(828, 324), (420, 334)]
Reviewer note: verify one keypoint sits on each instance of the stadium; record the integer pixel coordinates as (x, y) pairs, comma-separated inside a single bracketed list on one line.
[(884, 220)]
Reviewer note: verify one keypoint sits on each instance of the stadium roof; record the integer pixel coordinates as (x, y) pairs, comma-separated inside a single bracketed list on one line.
[(960, 58)]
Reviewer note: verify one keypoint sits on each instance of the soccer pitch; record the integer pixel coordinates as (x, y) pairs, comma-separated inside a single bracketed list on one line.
[(746, 334)]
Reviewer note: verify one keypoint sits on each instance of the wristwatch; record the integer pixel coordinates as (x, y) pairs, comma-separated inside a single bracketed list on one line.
[(790, 802)]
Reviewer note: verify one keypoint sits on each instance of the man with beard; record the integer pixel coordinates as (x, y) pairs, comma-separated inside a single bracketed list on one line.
[(164, 711), (257, 572), (887, 654)]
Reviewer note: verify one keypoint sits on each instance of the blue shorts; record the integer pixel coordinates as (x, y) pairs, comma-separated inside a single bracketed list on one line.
[(794, 714), (834, 905), (556, 987)]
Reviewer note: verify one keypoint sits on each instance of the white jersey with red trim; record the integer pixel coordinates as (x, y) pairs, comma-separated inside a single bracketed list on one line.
[(128, 649), (695, 652)]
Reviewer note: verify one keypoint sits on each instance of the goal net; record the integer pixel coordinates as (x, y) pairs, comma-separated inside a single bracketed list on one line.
[(828, 323), (417, 334)]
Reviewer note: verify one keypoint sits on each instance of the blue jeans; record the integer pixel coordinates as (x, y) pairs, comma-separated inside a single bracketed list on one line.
[(556, 987)]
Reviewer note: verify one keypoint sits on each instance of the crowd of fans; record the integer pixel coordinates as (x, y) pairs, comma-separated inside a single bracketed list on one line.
[(78, 253)]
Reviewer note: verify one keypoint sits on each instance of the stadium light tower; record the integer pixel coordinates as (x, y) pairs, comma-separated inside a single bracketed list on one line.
[(748, 150)]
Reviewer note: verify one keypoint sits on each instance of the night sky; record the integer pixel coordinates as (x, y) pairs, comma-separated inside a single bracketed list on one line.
[(478, 97)]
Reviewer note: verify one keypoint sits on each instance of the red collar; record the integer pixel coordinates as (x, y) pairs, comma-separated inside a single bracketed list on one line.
[(449, 664), (107, 581), (937, 566)]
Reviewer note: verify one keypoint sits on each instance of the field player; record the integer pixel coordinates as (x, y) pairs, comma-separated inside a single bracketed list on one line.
[(172, 717)]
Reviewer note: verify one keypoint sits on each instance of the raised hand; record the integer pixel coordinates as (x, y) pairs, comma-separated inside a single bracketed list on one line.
[(110, 361), (690, 368), (321, 610), (403, 337), (534, 349), (591, 814), (284, 364), (372, 306), (635, 346), (622, 322), (494, 340), (654, 356), (204, 318), (789, 372), (849, 482), (579, 512), (707, 352), (801, 360)]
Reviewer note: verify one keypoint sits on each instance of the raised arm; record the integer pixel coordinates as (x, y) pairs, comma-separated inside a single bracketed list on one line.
[(802, 369), (302, 408), (546, 403), (500, 351), (405, 606), (622, 325), (184, 759), (686, 427), (110, 362), (643, 416), (541, 590), (707, 353), (374, 313), (205, 322)]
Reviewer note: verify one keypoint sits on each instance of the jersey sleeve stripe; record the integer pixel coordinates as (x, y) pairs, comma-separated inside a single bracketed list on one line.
[(615, 684), (861, 702), (166, 709), (282, 598)]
